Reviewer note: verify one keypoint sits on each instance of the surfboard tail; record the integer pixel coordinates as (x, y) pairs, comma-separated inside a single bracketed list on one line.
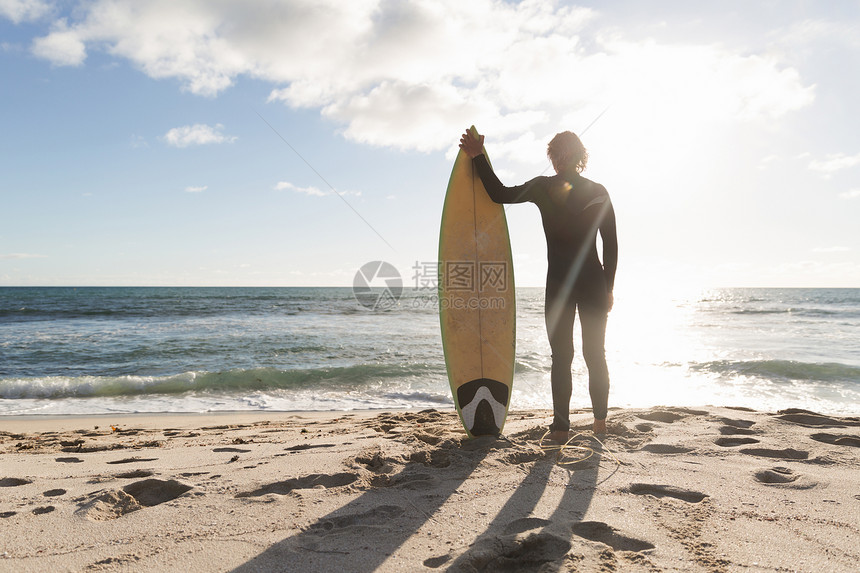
[(483, 406)]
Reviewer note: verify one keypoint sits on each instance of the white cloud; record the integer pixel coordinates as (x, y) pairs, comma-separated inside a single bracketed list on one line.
[(834, 162), (138, 141), (765, 162), (24, 10), (311, 190), (852, 194), (199, 189), (62, 47), (11, 256), (830, 250), (287, 186), (197, 134), (411, 73)]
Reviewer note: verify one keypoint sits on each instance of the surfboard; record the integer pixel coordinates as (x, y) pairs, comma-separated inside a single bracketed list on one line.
[(477, 304)]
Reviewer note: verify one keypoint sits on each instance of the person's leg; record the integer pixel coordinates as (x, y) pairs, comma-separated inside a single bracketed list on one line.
[(559, 317), (593, 321)]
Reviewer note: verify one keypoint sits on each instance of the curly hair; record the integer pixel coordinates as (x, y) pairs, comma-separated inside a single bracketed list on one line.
[(566, 150)]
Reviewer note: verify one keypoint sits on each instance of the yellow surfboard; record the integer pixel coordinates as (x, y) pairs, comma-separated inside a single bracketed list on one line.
[(477, 304)]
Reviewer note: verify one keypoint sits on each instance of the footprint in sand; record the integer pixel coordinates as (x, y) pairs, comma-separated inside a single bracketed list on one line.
[(692, 412), (44, 510), (730, 442), (431, 458), (781, 476), (737, 423), (302, 447), (732, 427), (512, 553), (70, 460), (153, 491), (13, 482), (380, 515), (837, 440), (658, 490), (525, 524), (232, 450), (54, 492), (436, 562), (665, 449), (670, 415), (786, 454), (660, 416), (814, 419), (133, 497), (776, 475), (8, 514), (135, 474), (735, 431), (132, 460), (375, 461), (307, 482), (82, 449), (603, 533)]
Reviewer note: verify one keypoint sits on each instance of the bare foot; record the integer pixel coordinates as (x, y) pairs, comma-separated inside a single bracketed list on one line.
[(599, 426), (559, 436)]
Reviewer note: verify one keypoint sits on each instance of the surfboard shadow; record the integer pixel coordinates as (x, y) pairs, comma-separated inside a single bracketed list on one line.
[(348, 539)]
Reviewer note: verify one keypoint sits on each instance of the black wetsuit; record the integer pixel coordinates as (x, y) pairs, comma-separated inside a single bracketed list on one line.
[(573, 210)]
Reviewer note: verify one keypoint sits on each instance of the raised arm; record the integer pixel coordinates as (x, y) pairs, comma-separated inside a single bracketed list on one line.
[(474, 148)]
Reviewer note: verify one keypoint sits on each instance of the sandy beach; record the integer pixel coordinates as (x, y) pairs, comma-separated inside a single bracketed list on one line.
[(668, 489)]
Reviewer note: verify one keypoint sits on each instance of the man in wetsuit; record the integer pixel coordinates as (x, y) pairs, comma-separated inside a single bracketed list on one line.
[(573, 209)]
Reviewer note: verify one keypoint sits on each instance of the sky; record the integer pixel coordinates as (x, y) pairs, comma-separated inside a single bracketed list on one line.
[(287, 143)]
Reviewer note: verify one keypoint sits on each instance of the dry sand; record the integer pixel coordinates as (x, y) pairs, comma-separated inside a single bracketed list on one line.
[(668, 489)]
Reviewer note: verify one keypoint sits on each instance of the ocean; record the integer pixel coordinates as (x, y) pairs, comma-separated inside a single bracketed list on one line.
[(162, 349)]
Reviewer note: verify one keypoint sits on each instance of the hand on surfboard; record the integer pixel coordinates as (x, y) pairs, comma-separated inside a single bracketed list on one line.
[(472, 146)]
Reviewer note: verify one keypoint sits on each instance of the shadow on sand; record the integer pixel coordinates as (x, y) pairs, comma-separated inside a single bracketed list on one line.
[(516, 540), (363, 534)]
